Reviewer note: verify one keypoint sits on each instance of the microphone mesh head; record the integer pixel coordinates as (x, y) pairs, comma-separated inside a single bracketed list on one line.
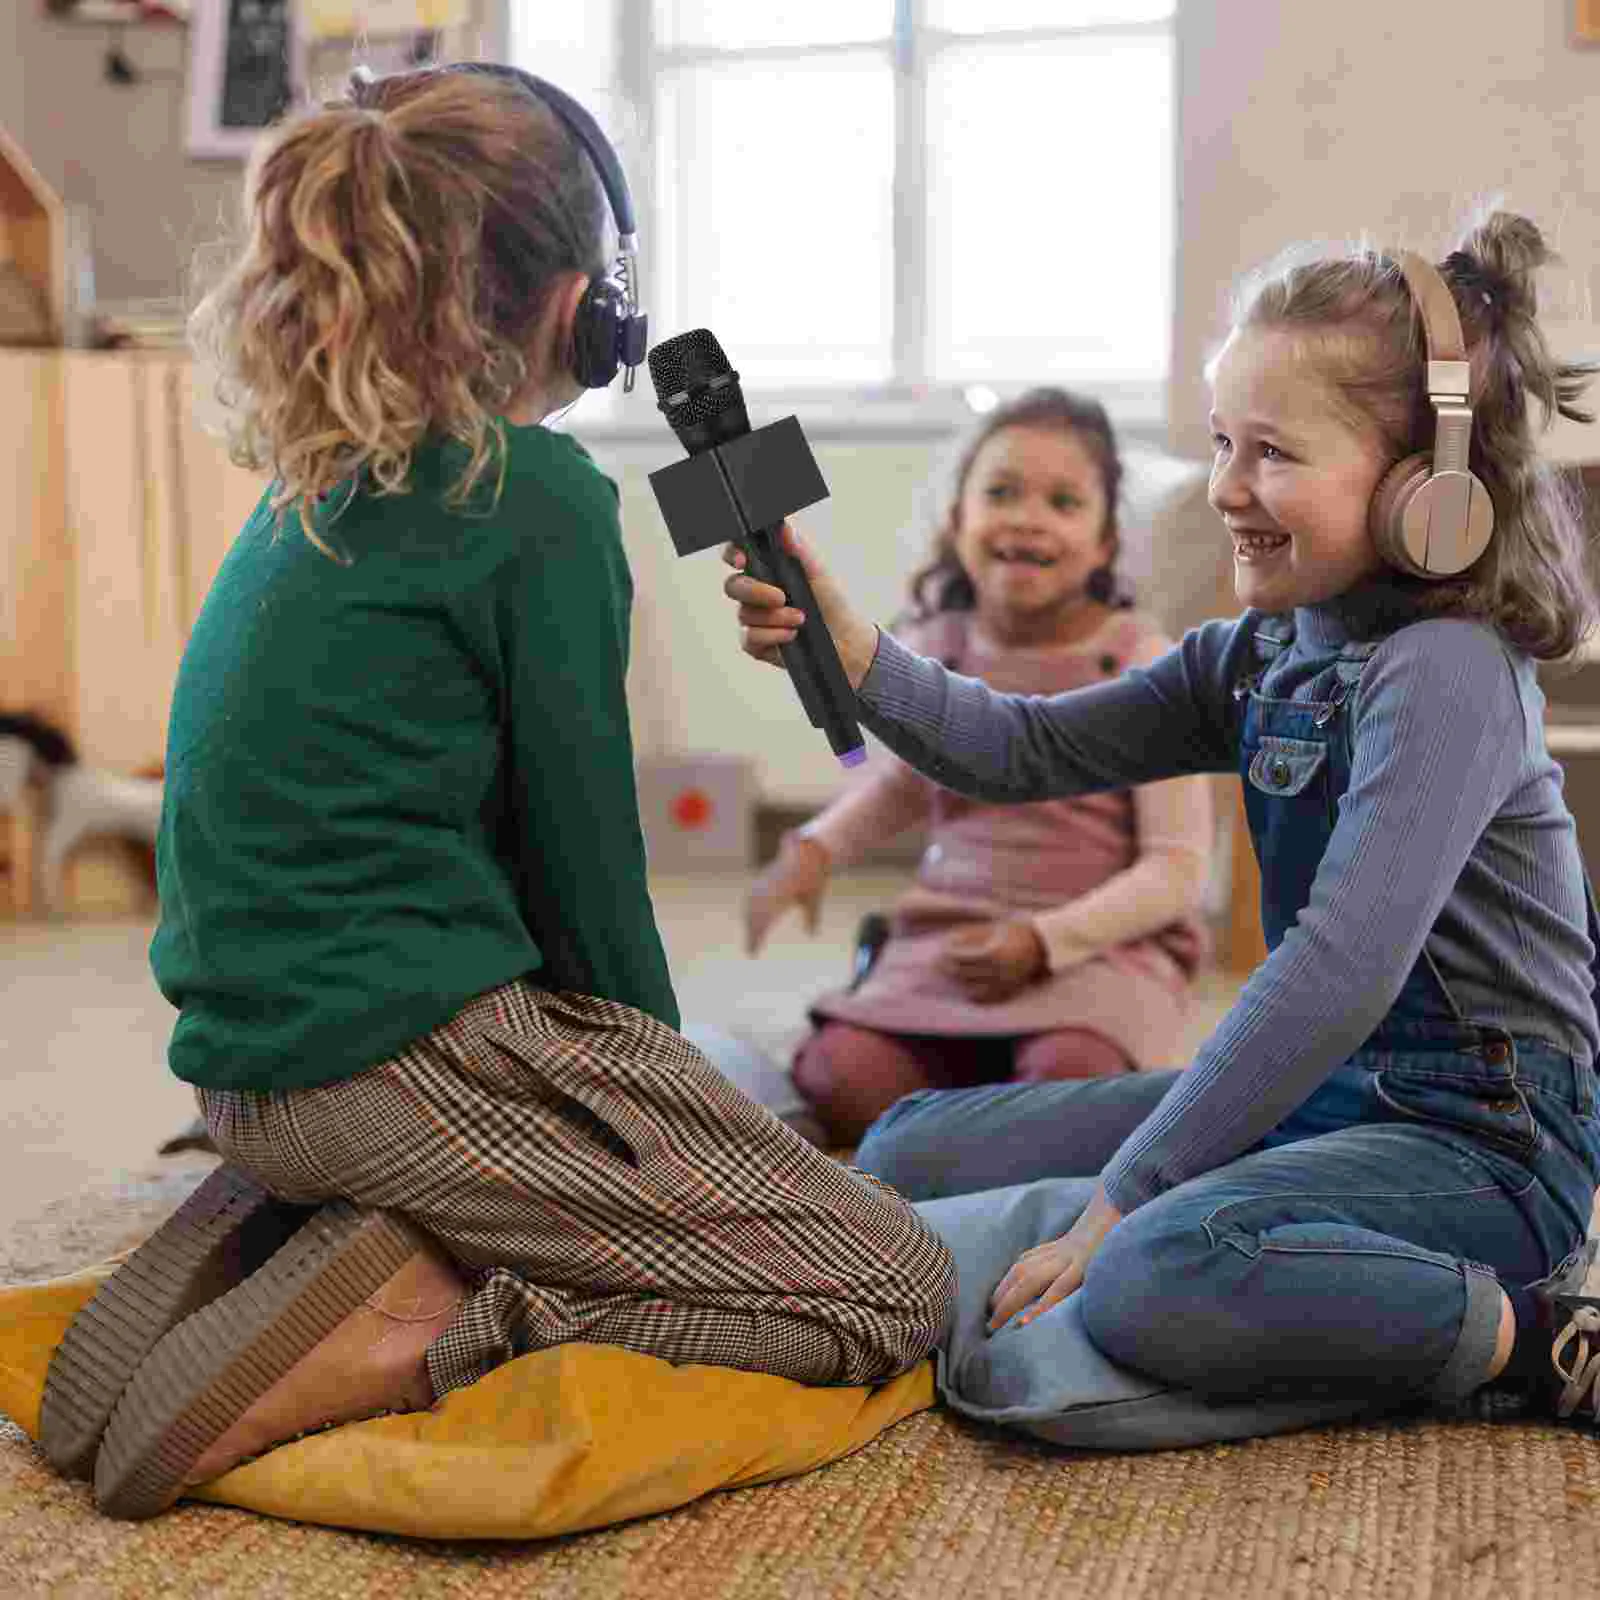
[(685, 364)]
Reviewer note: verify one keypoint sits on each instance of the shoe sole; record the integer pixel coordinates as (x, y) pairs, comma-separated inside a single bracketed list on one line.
[(209, 1369), (216, 1238)]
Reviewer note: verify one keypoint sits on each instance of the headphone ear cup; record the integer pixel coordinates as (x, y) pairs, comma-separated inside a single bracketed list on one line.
[(1430, 524), (596, 333), (1386, 511)]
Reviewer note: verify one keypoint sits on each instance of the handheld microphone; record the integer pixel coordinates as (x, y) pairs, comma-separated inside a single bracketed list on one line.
[(737, 486)]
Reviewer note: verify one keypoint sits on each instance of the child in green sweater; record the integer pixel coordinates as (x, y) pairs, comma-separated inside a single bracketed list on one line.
[(405, 917)]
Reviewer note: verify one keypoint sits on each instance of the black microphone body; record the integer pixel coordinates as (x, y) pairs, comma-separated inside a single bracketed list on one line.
[(738, 485)]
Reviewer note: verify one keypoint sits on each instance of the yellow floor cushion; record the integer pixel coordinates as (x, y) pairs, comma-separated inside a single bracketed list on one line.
[(574, 1437)]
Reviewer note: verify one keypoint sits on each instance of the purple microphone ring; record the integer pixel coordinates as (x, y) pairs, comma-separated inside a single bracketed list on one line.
[(853, 758)]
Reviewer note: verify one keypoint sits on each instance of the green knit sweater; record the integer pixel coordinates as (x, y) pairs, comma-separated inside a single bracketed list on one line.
[(397, 782)]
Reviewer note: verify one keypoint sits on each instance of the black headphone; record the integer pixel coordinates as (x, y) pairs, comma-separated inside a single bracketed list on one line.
[(609, 330)]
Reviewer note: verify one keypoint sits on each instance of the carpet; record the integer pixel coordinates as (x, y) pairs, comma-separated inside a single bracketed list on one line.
[(933, 1508)]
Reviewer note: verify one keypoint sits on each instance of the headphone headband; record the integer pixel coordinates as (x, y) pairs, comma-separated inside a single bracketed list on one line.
[(582, 127), (1449, 375), (1430, 516), (613, 328)]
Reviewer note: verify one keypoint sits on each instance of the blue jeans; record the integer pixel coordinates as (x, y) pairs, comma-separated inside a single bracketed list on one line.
[(1355, 1254)]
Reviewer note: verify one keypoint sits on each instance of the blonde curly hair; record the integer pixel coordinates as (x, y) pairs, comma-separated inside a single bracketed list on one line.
[(401, 244)]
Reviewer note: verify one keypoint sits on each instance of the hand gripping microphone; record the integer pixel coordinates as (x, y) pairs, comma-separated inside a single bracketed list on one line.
[(737, 486)]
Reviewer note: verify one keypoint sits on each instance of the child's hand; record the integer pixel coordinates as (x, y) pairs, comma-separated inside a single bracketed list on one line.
[(1045, 1275), (769, 622), (797, 877), (993, 960)]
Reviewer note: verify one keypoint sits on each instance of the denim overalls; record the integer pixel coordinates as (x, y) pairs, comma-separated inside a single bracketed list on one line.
[(1357, 1251), (1425, 1060)]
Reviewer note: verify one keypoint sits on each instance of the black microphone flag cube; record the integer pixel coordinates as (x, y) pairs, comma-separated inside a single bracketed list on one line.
[(731, 490), (772, 472), (697, 504)]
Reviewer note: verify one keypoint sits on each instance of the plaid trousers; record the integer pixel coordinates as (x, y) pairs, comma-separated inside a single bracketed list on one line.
[(597, 1178)]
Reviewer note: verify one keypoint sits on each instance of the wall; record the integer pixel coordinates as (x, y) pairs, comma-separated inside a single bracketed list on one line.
[(120, 149), (116, 149), (1301, 121)]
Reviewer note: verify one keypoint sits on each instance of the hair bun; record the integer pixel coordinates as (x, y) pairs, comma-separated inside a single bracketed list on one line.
[(1497, 260)]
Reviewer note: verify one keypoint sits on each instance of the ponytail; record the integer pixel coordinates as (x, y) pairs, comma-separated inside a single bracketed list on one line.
[(402, 242)]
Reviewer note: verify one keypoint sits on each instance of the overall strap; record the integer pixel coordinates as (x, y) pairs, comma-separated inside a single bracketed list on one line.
[(1352, 660), (1272, 636)]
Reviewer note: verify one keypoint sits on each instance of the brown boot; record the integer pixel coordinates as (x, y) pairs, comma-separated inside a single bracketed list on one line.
[(374, 1361), (335, 1327), (226, 1229)]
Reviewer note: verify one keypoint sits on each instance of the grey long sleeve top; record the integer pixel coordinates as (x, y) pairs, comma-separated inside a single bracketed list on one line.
[(1453, 831)]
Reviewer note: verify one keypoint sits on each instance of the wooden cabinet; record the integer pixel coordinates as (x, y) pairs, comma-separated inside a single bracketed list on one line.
[(114, 516), (118, 510)]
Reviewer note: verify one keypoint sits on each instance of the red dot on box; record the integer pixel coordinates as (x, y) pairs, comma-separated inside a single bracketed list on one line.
[(692, 808)]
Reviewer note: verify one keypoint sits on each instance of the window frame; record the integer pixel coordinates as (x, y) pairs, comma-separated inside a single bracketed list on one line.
[(908, 403)]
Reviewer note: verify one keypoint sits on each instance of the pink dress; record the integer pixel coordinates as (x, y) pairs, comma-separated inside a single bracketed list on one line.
[(1116, 909)]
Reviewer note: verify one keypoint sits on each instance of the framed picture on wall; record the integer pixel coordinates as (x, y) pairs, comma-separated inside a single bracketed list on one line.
[(244, 73)]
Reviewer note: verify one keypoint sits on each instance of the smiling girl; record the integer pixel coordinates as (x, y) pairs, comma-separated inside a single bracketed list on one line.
[(1373, 1184), (1054, 940)]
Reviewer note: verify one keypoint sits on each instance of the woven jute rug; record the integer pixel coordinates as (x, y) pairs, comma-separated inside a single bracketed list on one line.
[(932, 1508)]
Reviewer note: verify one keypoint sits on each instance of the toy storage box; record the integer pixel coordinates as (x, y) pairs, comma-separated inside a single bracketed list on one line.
[(698, 812)]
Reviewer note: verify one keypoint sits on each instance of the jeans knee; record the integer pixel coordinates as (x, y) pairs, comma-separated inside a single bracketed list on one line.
[(1144, 1291), (894, 1150)]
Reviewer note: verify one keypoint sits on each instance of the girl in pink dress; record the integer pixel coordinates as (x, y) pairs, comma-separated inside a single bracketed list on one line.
[(1050, 940)]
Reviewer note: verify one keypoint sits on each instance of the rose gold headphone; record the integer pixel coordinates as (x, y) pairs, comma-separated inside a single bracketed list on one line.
[(1430, 515)]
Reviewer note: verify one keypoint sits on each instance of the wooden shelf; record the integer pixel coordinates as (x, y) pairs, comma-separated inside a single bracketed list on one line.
[(33, 225)]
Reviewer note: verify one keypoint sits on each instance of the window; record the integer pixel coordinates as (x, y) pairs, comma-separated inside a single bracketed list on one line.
[(893, 199)]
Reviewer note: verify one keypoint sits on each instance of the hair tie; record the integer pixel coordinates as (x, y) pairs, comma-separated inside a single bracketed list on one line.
[(1473, 279), (363, 90)]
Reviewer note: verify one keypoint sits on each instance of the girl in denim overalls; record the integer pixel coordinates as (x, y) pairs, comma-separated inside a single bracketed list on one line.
[(1373, 1184)]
